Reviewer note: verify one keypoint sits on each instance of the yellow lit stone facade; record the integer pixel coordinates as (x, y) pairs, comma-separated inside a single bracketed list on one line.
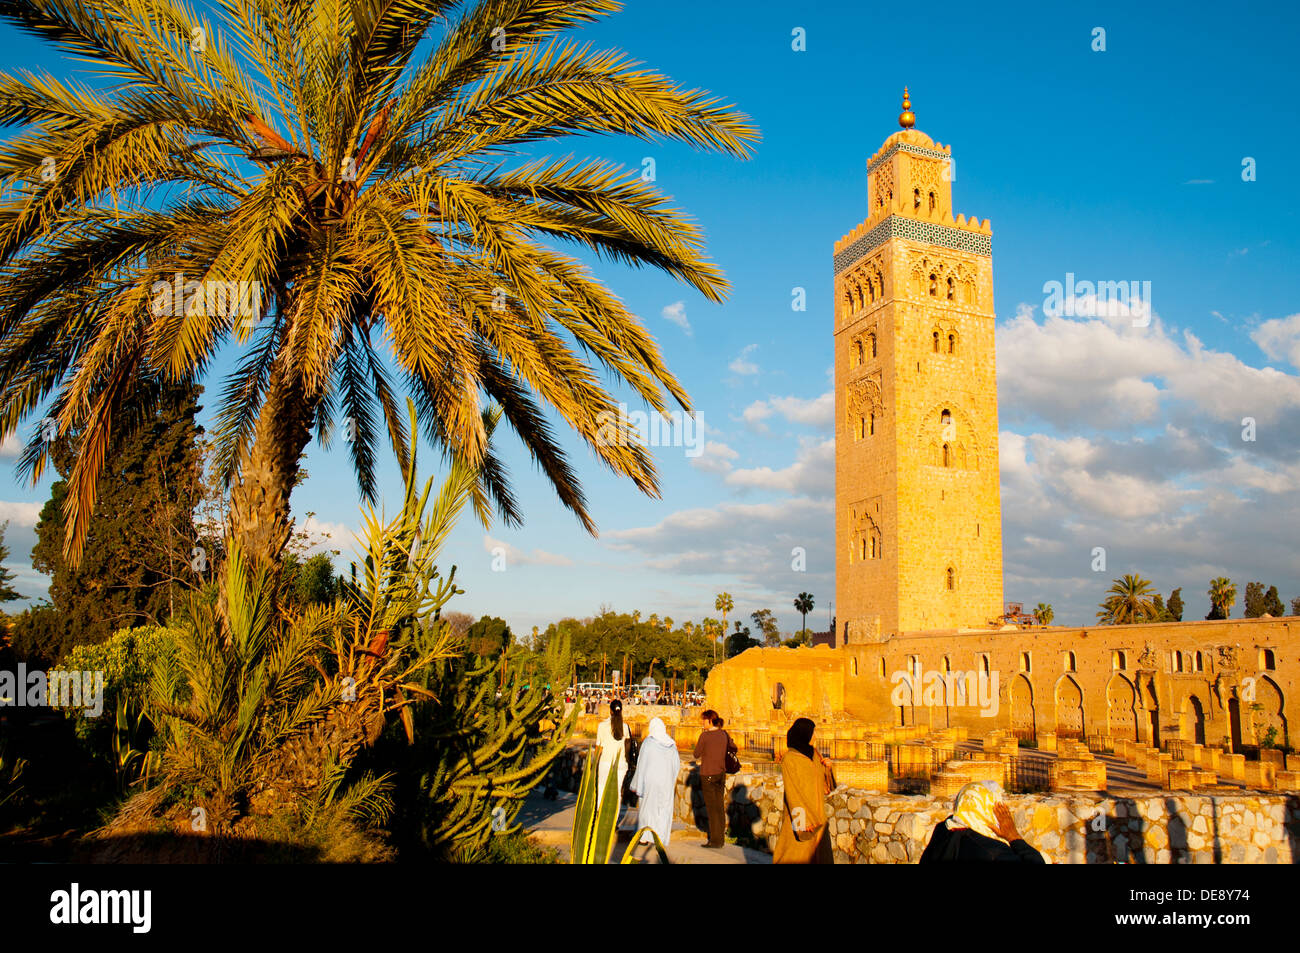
[(918, 514)]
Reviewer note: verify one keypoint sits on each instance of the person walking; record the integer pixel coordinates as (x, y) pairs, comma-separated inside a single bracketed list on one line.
[(807, 778), (980, 829), (711, 753), (655, 782), (614, 740)]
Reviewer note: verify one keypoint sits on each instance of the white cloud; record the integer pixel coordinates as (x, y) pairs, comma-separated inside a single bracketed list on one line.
[(812, 473), (676, 313), (741, 364), (816, 412), (20, 514), (11, 447), (716, 458), (516, 556), (1280, 339)]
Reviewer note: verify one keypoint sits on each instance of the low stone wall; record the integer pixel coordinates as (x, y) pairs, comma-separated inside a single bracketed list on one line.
[(1168, 828)]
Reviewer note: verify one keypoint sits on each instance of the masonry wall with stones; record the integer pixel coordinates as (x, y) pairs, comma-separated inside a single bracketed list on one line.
[(1075, 829), (1223, 683)]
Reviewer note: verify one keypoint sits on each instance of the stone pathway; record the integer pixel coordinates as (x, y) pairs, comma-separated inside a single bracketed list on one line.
[(550, 823)]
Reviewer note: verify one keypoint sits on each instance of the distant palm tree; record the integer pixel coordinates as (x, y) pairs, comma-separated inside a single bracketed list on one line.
[(724, 604), (1223, 596), (1044, 613), (1128, 600), (339, 193), (803, 604)]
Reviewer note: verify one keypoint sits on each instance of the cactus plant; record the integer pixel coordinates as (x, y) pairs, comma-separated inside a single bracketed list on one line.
[(593, 830)]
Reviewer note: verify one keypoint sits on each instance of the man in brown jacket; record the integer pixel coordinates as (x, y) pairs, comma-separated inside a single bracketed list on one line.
[(711, 753)]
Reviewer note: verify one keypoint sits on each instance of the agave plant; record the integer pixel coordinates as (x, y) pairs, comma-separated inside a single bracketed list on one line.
[(595, 820)]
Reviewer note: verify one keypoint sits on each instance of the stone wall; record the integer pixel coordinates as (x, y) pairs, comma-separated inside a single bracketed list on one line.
[(1074, 829)]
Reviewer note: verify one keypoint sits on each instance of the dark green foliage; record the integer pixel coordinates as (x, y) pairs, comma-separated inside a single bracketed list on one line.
[(310, 583), (1162, 612), (7, 591), (684, 656), (1273, 603), (1254, 600), (137, 559), (740, 641), (479, 747), (488, 636), (1295, 606), (1175, 605), (765, 622)]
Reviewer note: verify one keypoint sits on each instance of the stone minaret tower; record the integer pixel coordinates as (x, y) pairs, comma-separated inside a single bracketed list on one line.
[(918, 519)]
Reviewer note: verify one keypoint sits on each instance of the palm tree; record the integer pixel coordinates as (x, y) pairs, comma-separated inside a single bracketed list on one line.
[(723, 604), (1128, 600), (1044, 613), (803, 604), (1223, 596), (343, 211)]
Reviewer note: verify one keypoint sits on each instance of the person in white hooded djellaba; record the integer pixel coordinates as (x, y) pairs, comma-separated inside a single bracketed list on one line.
[(655, 782)]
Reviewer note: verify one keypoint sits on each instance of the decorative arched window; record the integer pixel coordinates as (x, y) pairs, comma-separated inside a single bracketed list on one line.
[(872, 339), (871, 293), (862, 426), (947, 462), (1178, 661), (882, 666), (916, 198), (936, 342), (1024, 662), (945, 419), (932, 202), (1200, 662), (947, 665), (952, 343), (1267, 661), (864, 548), (934, 285), (1071, 663), (861, 353), (875, 548), (853, 666), (871, 424), (952, 579), (984, 663), (1118, 660), (951, 290)]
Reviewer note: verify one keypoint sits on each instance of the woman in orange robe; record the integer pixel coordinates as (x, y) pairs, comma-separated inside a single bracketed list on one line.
[(805, 837)]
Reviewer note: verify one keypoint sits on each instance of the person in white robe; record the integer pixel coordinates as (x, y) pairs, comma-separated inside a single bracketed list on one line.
[(655, 782)]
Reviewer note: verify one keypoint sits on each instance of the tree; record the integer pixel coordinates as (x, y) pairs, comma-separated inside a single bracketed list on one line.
[(1162, 612), (1295, 606), (488, 636), (766, 623), (142, 547), (1223, 596), (723, 604), (803, 604), (1273, 603), (1127, 601), (739, 641), (7, 591), (310, 583), (1254, 600), (376, 203), (1175, 605), (1044, 613)]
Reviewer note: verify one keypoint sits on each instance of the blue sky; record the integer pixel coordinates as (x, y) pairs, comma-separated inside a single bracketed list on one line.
[(1122, 164)]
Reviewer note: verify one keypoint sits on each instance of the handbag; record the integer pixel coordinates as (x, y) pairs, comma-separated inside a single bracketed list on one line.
[(732, 762)]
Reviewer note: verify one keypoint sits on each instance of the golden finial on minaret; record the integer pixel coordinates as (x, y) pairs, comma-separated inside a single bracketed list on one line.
[(907, 118)]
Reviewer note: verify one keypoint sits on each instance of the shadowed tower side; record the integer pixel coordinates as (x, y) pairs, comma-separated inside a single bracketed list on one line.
[(918, 514)]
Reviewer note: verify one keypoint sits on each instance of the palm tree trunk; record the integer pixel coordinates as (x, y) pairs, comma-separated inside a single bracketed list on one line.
[(259, 502)]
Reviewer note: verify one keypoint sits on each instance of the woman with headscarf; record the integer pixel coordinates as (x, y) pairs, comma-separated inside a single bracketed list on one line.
[(655, 782), (807, 778), (980, 828), (613, 739)]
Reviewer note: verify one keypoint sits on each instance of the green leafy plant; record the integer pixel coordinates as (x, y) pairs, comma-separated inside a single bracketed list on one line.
[(594, 826)]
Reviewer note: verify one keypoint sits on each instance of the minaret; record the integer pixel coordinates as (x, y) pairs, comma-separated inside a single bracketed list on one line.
[(918, 514)]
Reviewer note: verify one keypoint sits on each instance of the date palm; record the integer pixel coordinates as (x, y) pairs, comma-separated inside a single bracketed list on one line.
[(380, 205), (723, 604), (1128, 600), (1223, 596), (803, 604), (1045, 614)]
